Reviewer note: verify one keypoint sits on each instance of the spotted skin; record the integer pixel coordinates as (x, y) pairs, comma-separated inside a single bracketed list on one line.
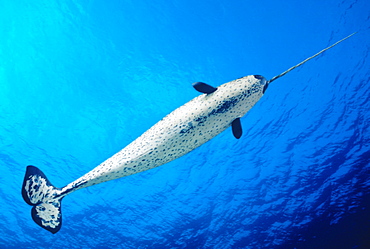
[(180, 132)]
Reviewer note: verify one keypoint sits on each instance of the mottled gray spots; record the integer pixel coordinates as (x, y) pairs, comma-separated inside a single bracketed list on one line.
[(180, 132), (225, 106)]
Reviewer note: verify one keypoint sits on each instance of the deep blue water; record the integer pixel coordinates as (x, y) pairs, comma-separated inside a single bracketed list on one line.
[(79, 80)]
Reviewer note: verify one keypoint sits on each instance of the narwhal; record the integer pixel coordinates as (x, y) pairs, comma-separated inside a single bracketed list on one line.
[(178, 133)]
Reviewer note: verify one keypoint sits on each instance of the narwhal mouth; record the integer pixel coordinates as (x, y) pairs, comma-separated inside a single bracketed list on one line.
[(265, 87)]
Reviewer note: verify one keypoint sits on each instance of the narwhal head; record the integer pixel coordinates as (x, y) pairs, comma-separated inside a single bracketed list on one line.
[(263, 82)]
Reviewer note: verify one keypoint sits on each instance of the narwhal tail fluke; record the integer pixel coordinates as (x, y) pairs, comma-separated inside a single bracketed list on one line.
[(38, 192), (309, 58)]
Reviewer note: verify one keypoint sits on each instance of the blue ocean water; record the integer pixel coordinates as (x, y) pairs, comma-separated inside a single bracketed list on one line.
[(79, 80)]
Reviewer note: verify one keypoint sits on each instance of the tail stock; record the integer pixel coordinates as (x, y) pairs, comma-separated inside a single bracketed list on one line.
[(38, 192)]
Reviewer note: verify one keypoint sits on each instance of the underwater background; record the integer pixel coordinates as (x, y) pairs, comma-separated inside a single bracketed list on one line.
[(79, 80)]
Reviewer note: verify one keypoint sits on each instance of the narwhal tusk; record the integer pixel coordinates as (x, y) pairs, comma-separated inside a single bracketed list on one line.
[(309, 58)]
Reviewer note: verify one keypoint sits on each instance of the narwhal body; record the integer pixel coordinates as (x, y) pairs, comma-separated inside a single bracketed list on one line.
[(180, 132)]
